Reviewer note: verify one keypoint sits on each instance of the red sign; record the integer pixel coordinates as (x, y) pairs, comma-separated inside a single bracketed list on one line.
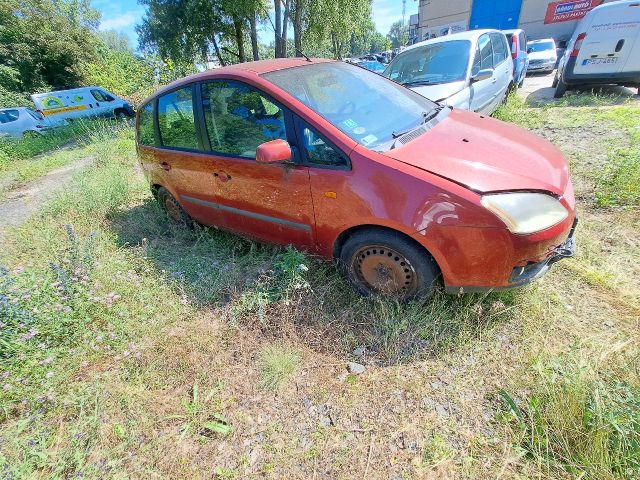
[(565, 11)]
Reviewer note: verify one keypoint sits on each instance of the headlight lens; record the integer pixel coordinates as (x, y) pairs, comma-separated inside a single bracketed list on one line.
[(525, 212)]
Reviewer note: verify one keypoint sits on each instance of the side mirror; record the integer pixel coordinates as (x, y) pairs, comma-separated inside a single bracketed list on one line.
[(275, 151), (484, 74), (529, 50)]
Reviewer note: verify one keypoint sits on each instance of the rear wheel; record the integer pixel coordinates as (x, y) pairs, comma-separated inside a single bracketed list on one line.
[(379, 262), (172, 208), (120, 114), (561, 88)]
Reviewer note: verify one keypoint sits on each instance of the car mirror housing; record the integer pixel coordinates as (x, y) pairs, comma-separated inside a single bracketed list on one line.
[(274, 151), (484, 74)]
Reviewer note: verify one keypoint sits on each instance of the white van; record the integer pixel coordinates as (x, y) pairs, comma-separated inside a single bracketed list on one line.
[(82, 102), (605, 48)]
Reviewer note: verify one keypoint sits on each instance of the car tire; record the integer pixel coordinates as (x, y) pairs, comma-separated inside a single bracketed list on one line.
[(174, 211), (386, 263), (561, 89), (555, 81), (521, 84), (120, 114)]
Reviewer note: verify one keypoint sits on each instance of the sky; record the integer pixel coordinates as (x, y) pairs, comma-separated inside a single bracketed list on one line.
[(123, 15)]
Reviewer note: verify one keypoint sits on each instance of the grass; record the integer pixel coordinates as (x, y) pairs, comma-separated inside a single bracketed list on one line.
[(28, 158), (277, 364), (133, 349)]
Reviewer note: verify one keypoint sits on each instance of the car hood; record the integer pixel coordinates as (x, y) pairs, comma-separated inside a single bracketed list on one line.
[(545, 55), (485, 155), (441, 91)]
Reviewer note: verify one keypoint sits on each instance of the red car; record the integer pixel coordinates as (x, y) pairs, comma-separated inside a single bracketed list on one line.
[(343, 163)]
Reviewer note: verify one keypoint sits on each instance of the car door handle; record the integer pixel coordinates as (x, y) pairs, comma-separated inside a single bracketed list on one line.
[(165, 166), (222, 176)]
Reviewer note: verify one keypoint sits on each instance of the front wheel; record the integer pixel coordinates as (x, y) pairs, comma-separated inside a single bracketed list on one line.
[(379, 262)]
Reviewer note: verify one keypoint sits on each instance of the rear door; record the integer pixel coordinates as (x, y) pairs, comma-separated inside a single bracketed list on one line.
[(270, 202), (609, 43), (502, 64)]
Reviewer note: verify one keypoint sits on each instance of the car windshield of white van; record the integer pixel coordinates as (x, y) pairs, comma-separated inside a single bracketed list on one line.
[(432, 64), (368, 108), (541, 47)]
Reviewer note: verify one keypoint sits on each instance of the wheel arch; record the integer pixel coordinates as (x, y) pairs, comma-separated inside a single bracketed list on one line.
[(346, 234)]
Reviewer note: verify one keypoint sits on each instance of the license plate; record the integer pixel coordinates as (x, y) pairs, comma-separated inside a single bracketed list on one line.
[(599, 61)]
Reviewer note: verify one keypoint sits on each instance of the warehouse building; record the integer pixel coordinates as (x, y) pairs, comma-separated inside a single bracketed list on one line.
[(538, 18)]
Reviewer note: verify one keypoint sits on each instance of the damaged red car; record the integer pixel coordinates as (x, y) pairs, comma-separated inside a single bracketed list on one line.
[(338, 161)]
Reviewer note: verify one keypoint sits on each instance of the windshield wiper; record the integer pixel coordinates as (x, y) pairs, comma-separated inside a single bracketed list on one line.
[(426, 117), (419, 82)]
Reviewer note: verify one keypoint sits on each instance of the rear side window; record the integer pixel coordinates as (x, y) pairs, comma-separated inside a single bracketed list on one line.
[(176, 120), (239, 118), (523, 42), (146, 134), (97, 94), (500, 51)]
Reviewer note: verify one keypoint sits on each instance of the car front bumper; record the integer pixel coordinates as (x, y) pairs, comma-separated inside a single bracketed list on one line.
[(544, 66), (523, 275)]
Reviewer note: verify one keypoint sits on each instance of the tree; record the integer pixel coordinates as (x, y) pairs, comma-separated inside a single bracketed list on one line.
[(45, 44), (398, 34), (338, 20)]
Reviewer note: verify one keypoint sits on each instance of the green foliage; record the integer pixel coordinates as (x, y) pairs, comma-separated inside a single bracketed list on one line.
[(619, 183), (581, 419), (45, 44), (398, 34)]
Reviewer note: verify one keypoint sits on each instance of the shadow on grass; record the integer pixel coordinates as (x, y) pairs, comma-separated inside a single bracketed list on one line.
[(264, 288), (583, 96)]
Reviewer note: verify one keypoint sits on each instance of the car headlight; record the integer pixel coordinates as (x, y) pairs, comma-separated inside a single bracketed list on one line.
[(525, 212)]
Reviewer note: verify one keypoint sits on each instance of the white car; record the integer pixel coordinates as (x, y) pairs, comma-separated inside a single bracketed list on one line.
[(604, 49), (542, 55), (468, 70), (21, 121), (82, 102)]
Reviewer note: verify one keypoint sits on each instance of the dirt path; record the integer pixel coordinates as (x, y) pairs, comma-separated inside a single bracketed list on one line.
[(20, 204)]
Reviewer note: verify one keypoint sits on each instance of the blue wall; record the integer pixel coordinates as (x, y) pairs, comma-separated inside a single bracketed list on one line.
[(500, 14)]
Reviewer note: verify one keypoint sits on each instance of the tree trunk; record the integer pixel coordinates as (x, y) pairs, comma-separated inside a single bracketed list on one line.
[(254, 37), (297, 28), (217, 49), (285, 23), (278, 32), (237, 26)]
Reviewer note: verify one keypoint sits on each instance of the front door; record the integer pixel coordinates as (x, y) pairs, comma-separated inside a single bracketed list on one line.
[(483, 92), (268, 202)]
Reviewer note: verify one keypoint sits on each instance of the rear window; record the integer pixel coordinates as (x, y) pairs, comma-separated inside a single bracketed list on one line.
[(9, 116), (146, 134), (176, 121)]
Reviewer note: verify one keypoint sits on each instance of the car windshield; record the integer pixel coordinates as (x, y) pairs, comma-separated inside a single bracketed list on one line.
[(541, 47), (442, 62), (365, 106)]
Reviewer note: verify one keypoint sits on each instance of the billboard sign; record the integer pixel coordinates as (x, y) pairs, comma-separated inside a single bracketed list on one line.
[(566, 11)]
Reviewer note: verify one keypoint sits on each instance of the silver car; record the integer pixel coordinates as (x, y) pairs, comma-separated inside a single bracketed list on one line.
[(469, 70), (22, 121)]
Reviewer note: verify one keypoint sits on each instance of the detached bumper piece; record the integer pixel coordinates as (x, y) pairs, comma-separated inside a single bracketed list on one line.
[(523, 275)]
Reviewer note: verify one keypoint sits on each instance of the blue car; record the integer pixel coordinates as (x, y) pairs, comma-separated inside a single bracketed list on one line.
[(518, 41), (374, 66)]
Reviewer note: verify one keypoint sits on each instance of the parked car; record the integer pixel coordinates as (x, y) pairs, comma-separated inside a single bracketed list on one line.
[(604, 49), (542, 55), (518, 41), (22, 121), (374, 66), (82, 102), (469, 70), (341, 162)]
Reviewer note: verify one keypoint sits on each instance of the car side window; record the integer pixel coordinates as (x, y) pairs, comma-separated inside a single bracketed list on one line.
[(239, 118), (97, 94), (477, 62), (523, 42), (9, 116), (318, 150), (486, 52), (106, 96), (146, 135), (176, 121), (500, 51)]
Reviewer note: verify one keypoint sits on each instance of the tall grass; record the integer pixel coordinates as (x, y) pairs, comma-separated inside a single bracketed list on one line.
[(582, 417)]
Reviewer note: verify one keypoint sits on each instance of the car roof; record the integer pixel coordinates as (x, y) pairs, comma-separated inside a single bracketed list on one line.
[(247, 68), (471, 35)]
